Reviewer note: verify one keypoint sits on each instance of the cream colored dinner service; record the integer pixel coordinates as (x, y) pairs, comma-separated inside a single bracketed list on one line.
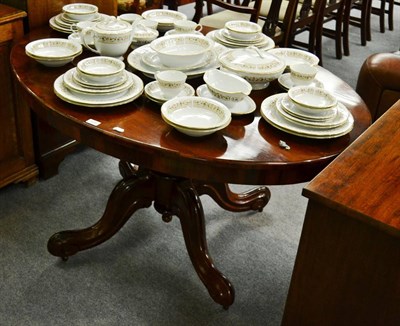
[(309, 112), (98, 82)]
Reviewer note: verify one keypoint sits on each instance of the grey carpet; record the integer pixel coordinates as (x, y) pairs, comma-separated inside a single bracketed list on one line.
[(143, 275)]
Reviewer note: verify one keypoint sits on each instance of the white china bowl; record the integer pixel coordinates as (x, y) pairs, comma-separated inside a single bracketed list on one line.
[(144, 35), (302, 73), (243, 30), (181, 50), (312, 97), (226, 86), (53, 52), (257, 69), (80, 11), (164, 17), (307, 113), (195, 115), (101, 70), (291, 56)]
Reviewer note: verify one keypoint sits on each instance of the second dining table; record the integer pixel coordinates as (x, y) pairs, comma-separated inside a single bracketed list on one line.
[(169, 170)]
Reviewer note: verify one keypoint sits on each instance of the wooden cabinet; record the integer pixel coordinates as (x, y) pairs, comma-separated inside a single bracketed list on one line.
[(347, 269), (16, 147)]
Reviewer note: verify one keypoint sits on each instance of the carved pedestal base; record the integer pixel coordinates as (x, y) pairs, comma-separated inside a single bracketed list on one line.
[(171, 196)]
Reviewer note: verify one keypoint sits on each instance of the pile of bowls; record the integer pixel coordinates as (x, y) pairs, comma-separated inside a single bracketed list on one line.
[(256, 66), (182, 50), (53, 52), (195, 116)]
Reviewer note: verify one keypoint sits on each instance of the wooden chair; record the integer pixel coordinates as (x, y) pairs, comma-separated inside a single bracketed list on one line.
[(334, 12), (236, 10), (386, 7)]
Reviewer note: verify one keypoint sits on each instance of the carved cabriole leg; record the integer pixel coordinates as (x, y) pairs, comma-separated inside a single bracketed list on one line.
[(123, 202), (254, 199), (185, 204)]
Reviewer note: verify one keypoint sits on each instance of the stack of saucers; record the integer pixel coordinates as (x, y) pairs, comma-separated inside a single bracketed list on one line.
[(239, 34), (74, 13), (98, 82), (309, 112), (195, 116)]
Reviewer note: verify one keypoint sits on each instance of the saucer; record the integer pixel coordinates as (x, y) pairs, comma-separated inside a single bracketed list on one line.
[(245, 106), (286, 82), (154, 93)]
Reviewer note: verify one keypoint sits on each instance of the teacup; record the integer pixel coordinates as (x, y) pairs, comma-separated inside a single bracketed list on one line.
[(171, 82), (110, 38), (302, 73), (187, 26)]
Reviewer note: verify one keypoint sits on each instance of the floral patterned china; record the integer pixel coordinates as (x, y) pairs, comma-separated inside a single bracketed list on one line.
[(286, 82), (291, 56), (155, 94), (164, 17), (312, 97)]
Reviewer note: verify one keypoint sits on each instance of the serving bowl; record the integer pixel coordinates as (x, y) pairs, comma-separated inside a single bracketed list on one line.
[(195, 116), (80, 11), (292, 56), (53, 52), (257, 67), (226, 87), (164, 17), (100, 70), (181, 50), (242, 30)]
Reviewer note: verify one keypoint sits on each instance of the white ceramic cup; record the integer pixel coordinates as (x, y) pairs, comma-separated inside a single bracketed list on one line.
[(110, 38), (302, 73), (171, 82), (187, 26)]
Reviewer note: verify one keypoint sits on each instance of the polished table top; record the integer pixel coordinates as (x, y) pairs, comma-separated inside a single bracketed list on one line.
[(171, 170), (246, 152)]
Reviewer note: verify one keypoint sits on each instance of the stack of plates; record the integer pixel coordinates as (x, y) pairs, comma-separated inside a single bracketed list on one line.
[(164, 17), (224, 37), (308, 112), (62, 23), (73, 88), (147, 61)]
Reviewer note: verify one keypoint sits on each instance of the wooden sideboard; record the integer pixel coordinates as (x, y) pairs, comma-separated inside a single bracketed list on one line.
[(347, 269), (17, 162)]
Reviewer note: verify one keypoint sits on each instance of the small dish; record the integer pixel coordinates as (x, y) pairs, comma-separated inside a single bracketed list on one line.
[(291, 56), (80, 11), (287, 83), (154, 93), (196, 113), (164, 17), (303, 113), (245, 106), (100, 70), (313, 98), (243, 30), (53, 52)]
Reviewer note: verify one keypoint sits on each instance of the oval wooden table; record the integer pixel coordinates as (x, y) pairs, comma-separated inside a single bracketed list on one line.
[(171, 170)]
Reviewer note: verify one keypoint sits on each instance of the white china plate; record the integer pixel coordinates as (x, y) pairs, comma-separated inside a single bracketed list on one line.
[(337, 120), (227, 35), (296, 111), (270, 113), (153, 60), (90, 100), (135, 61), (245, 106), (291, 56), (286, 82), (154, 93), (70, 82), (57, 27)]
